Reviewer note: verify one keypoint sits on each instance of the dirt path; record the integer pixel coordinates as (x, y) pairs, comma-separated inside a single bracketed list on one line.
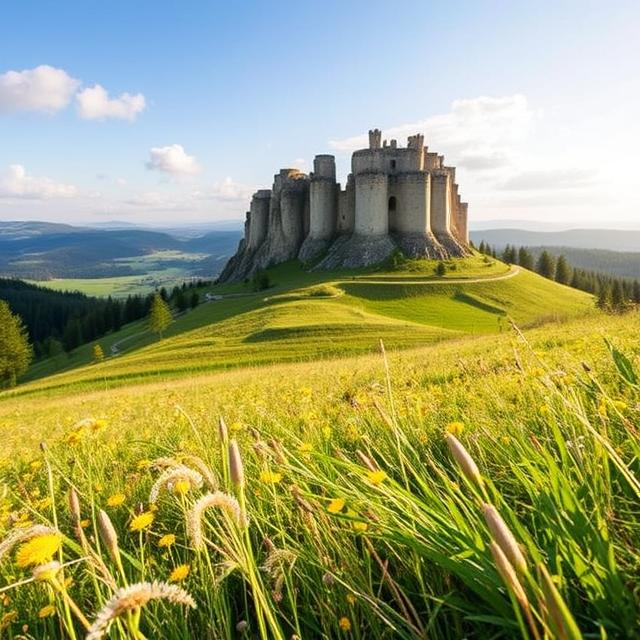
[(514, 271)]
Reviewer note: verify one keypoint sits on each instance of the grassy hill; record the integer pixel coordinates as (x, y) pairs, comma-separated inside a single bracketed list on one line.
[(308, 316)]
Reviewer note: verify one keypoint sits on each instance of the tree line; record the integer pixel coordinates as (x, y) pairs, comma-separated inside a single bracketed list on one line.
[(613, 294)]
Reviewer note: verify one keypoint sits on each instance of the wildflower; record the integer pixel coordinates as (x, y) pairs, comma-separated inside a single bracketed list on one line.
[(505, 440), (47, 611), (116, 500), (376, 478), (503, 537), (167, 540), (305, 447), (38, 550), (142, 521), (620, 405), (7, 619), (143, 464), (544, 410), (180, 573), (351, 599), (464, 460), (326, 433), (212, 500), (455, 428), (236, 470), (178, 479), (134, 597), (336, 505), (270, 477), (84, 523), (344, 624)]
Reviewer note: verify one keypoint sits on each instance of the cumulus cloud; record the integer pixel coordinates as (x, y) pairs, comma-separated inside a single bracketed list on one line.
[(15, 183), (94, 103), (548, 179), (44, 89), (173, 160), (227, 190), (480, 133)]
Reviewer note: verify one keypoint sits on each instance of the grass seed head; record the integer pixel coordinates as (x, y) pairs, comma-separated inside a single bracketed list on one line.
[(236, 469), (216, 500), (562, 621), (109, 535), (464, 460), (74, 506), (508, 574), (502, 535)]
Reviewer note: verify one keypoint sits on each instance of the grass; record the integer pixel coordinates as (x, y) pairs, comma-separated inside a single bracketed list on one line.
[(308, 315), (362, 523)]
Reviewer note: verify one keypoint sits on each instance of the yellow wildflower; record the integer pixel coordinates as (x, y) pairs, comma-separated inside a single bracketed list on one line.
[(38, 550), (544, 410), (351, 599), (142, 521), (344, 624), (35, 465), (376, 477), (46, 611), (620, 405), (336, 505), (143, 464), (305, 447), (99, 424), (455, 428), (167, 540), (505, 440), (179, 573), (84, 523), (270, 477), (326, 433), (181, 487), (116, 500)]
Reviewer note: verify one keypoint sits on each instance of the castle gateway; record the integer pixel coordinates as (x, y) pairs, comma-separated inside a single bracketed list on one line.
[(395, 198)]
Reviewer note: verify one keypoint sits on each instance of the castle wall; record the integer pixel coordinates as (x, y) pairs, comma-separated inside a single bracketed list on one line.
[(292, 210), (323, 195), (347, 208), (371, 216), (413, 203), (440, 203), (260, 203), (462, 225)]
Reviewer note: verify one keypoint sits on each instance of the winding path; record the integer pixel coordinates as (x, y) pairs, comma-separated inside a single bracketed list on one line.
[(514, 271)]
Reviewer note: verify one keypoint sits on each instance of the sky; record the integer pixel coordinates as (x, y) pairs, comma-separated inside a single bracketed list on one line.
[(172, 112)]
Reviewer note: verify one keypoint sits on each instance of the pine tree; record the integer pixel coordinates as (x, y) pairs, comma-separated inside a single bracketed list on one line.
[(98, 353), (604, 296), (525, 259), (194, 300), (617, 297), (159, 315), (15, 351), (546, 266), (563, 271), (441, 268), (636, 291)]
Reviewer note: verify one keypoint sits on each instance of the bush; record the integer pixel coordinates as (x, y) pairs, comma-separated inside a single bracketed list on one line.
[(260, 281)]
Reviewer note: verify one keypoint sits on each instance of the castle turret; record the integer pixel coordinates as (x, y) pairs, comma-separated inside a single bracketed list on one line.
[(259, 218)]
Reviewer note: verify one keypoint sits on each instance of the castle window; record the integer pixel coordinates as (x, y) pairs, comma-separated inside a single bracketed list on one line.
[(392, 203), (393, 164)]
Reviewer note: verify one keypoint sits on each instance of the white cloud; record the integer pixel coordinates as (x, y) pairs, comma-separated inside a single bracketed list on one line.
[(226, 190), (94, 103), (15, 183), (480, 132), (172, 160), (549, 179), (44, 89)]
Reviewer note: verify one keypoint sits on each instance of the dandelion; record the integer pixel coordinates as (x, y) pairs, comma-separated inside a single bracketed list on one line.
[(217, 500), (344, 624), (167, 540), (503, 537), (464, 460), (133, 598), (38, 550), (376, 478), (47, 611), (305, 447), (116, 500), (142, 521), (180, 573), (143, 464), (270, 477), (336, 505), (22, 535), (178, 480), (455, 428), (84, 523)]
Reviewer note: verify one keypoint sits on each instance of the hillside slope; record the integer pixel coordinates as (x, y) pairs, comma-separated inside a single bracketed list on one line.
[(308, 316)]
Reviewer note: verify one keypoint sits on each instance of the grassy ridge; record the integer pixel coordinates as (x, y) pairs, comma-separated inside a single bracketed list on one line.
[(361, 523)]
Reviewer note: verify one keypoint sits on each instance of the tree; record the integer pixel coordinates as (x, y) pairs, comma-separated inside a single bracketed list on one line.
[(441, 268), (509, 254), (636, 291), (617, 297), (98, 353), (546, 265), (603, 297), (525, 259), (159, 315), (181, 300), (194, 300), (15, 350), (563, 271), (260, 281)]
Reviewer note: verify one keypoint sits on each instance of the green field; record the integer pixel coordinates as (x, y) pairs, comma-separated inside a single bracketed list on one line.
[(358, 514)]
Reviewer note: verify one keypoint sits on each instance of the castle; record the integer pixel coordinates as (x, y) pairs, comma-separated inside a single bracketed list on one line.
[(395, 198)]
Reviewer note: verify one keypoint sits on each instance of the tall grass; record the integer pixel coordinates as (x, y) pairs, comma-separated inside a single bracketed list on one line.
[(500, 501)]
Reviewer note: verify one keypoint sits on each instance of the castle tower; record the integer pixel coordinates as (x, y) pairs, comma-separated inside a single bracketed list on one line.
[(259, 218)]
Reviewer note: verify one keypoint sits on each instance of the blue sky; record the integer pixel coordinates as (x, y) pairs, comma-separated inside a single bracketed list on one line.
[(536, 103)]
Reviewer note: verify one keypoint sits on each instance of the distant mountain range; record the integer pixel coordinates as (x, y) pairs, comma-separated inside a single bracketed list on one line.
[(43, 250)]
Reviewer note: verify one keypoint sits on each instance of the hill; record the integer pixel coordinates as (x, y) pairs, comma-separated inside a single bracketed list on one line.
[(308, 315), (607, 239)]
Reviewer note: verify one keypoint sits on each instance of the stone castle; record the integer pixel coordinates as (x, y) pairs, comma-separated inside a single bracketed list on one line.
[(395, 198)]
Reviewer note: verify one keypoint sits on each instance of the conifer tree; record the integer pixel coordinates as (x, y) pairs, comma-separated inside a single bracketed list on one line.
[(15, 351), (546, 266), (604, 296), (563, 271), (441, 268), (525, 259), (159, 315), (617, 297), (98, 353)]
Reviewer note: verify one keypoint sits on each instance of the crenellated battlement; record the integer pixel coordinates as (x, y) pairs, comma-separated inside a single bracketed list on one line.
[(394, 197)]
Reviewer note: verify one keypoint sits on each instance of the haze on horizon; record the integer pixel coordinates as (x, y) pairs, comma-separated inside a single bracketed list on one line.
[(153, 114)]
